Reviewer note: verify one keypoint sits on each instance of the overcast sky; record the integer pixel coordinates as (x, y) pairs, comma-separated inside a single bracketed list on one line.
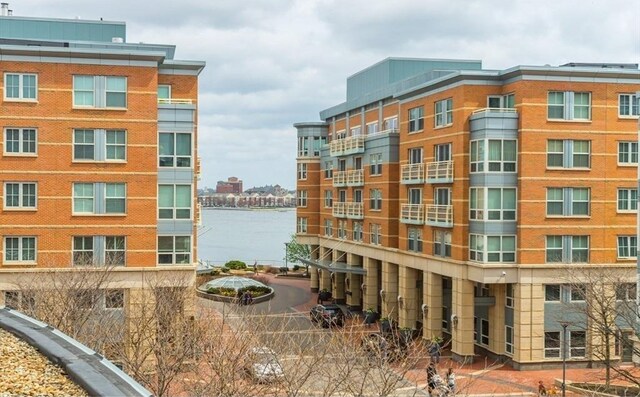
[(271, 63)]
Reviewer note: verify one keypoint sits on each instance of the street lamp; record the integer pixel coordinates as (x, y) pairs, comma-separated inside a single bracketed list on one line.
[(564, 325), (286, 255)]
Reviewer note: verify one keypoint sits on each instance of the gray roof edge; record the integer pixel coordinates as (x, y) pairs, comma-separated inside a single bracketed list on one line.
[(90, 371), (69, 20), (414, 59), (70, 51), (310, 124)]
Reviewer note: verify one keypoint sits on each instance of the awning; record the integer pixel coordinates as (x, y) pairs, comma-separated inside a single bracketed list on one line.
[(334, 267)]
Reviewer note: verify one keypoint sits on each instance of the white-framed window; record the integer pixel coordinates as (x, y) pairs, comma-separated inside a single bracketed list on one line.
[(355, 131), (174, 150), (83, 254), (508, 302), (84, 145), (100, 91), (628, 105), (552, 293), (415, 195), (501, 155), (492, 204), (568, 105), (303, 146), (442, 152), (302, 198), (442, 243), (627, 247), (508, 339), (552, 344), (340, 134), (357, 231), (375, 233), (414, 239), (328, 169), (20, 195), (567, 249), (626, 292), (416, 119), (164, 93), (114, 250), (568, 201), (302, 171), (628, 153), (20, 87), (577, 293), (375, 199), (114, 299), (443, 113), (342, 229), (20, 141), (328, 198), (390, 124), (113, 145), (372, 128), (375, 164), (99, 198), (20, 249), (577, 344), (174, 250), (301, 225), (568, 153), (99, 250), (484, 332), (328, 227), (494, 249), (174, 201), (116, 145), (415, 155), (357, 195), (627, 200), (501, 101)]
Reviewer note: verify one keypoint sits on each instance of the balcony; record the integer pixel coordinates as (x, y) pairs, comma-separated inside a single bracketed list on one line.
[(198, 168), (339, 178), (412, 173), (339, 210), (174, 101), (495, 110), (439, 215), (355, 178), (355, 211), (412, 213), (440, 172), (347, 146)]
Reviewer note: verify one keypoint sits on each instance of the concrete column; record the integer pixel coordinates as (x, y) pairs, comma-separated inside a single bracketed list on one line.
[(338, 288), (409, 309), (313, 271), (432, 297), (496, 318), (354, 280), (371, 284), (528, 323), (390, 288), (462, 346), (325, 280)]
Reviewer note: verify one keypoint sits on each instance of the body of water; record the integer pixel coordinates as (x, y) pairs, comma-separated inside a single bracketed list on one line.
[(247, 235)]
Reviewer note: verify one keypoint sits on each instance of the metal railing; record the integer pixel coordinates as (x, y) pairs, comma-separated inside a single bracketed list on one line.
[(355, 178), (440, 215), (498, 110), (175, 101), (339, 210), (412, 213), (355, 210), (339, 178), (440, 172), (348, 145), (412, 173), (198, 168)]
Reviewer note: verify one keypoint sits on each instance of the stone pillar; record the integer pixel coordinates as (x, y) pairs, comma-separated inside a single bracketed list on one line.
[(390, 288), (528, 323), (371, 284), (462, 308), (325, 280), (432, 297), (496, 318), (338, 287), (313, 271), (408, 308), (354, 281)]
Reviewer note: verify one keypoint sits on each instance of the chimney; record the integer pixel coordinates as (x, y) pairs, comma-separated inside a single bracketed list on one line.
[(9, 12), (4, 9)]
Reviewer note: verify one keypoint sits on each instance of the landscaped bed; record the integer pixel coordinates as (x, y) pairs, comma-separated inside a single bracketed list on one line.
[(230, 288)]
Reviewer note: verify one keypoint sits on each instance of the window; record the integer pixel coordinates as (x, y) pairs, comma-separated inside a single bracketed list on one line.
[(20, 86), (628, 153), (100, 91), (357, 196), (20, 195), (83, 251), (301, 226), (99, 250), (174, 150), (302, 198), (567, 249), (20, 141), (116, 145), (442, 152), (303, 146), (114, 251), (357, 231), (375, 234), (415, 155), (501, 101), (328, 198), (628, 105), (164, 92), (416, 119), (627, 200), (302, 171), (112, 148), (578, 344), (442, 243), (342, 229), (390, 124), (415, 196), (501, 157), (414, 239), (509, 296), (83, 145), (627, 247), (375, 201), (568, 153), (372, 128), (492, 204), (375, 164), (567, 201), (114, 299), (328, 227), (356, 131), (115, 198), (484, 332), (552, 344), (19, 249), (569, 105), (476, 247), (174, 250), (552, 293), (328, 169), (577, 293), (444, 113), (83, 198), (445, 318), (174, 201), (626, 292), (495, 249)]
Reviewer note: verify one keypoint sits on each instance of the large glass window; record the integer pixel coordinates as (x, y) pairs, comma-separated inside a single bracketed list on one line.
[(390, 124), (375, 200), (552, 344), (174, 250), (164, 93), (328, 198), (174, 201), (175, 149), (442, 243), (83, 145), (414, 239), (552, 293), (501, 155), (328, 227), (20, 141), (302, 198), (567, 249), (116, 145), (19, 249), (443, 112), (20, 86), (83, 198), (569, 105), (375, 161), (568, 153), (357, 231), (115, 198), (568, 201), (302, 171), (99, 145), (578, 344), (492, 204), (20, 195), (627, 200), (508, 341), (628, 153), (83, 251), (627, 247), (100, 91), (301, 225), (628, 105), (375, 234), (416, 119), (114, 252)]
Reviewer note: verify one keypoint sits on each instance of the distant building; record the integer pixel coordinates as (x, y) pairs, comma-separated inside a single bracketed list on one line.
[(231, 185)]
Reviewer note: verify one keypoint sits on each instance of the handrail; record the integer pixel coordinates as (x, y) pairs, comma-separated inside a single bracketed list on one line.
[(500, 110), (175, 101)]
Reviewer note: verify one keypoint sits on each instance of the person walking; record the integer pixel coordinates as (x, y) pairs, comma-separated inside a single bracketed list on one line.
[(431, 377), (451, 381), (542, 391), (434, 352)]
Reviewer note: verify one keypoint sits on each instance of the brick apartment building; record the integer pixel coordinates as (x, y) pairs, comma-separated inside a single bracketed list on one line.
[(448, 197), (231, 185), (98, 157)]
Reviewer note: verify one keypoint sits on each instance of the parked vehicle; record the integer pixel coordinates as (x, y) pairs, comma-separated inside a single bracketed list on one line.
[(327, 315), (263, 365)]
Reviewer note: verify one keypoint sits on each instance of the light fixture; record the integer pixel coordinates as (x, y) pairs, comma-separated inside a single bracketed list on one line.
[(425, 309), (382, 294), (400, 301), (454, 320), (363, 287)]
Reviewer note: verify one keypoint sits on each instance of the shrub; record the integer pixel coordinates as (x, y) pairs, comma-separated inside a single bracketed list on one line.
[(224, 270), (214, 272), (272, 270), (283, 269), (296, 268), (235, 265), (255, 290)]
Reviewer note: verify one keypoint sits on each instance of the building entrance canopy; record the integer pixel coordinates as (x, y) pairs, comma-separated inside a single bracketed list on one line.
[(334, 267)]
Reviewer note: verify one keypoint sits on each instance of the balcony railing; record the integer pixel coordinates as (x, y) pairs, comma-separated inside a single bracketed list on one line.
[(346, 146), (174, 101), (439, 215), (412, 213), (497, 110), (440, 172), (339, 178), (355, 178), (412, 173), (339, 210), (198, 168), (199, 215), (355, 211)]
